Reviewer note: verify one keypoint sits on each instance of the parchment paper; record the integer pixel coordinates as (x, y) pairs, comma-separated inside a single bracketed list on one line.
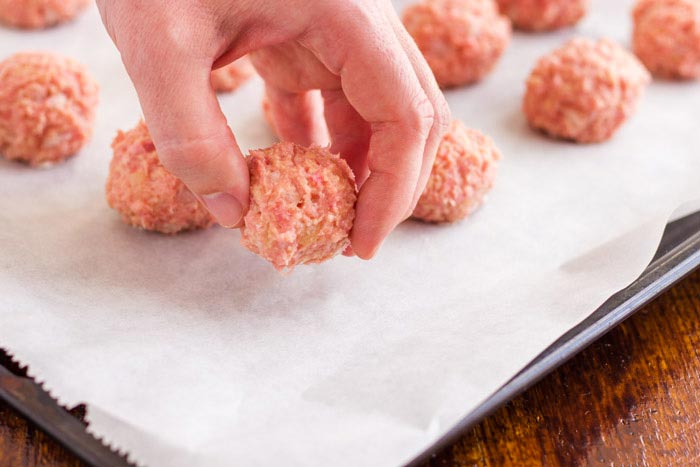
[(191, 351)]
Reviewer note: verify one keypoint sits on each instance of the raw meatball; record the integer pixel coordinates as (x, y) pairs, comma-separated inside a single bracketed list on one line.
[(302, 205), (584, 90), (47, 107), (232, 76), (461, 39), (463, 172), (667, 37), (543, 15), (145, 194), (37, 14)]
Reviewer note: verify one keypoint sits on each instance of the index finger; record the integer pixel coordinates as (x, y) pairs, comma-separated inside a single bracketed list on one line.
[(379, 81)]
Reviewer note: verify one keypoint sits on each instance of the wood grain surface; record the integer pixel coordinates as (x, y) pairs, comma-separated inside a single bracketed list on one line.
[(631, 399)]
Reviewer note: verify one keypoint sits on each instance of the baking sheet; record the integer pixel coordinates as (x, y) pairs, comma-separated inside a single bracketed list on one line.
[(677, 256), (348, 362)]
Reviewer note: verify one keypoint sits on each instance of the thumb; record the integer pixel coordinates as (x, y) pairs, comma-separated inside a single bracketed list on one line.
[(192, 137)]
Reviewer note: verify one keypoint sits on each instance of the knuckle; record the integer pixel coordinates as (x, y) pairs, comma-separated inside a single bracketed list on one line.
[(443, 116), (421, 114)]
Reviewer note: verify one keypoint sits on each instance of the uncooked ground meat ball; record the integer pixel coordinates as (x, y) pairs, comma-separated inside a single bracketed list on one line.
[(232, 76), (464, 171), (461, 39), (145, 193), (667, 37), (302, 205), (37, 14), (543, 15), (47, 107), (584, 90)]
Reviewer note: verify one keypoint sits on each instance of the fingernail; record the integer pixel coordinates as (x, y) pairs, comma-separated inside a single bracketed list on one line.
[(225, 208)]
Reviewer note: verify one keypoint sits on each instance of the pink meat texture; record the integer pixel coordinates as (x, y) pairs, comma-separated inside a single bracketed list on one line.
[(666, 37), (38, 14), (543, 15), (463, 173), (302, 205), (47, 107), (461, 40), (584, 90), (232, 76), (145, 193)]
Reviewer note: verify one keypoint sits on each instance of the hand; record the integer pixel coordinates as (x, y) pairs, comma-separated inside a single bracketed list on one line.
[(349, 62)]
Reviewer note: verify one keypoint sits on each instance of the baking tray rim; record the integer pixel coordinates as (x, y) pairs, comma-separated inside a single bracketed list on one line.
[(670, 264)]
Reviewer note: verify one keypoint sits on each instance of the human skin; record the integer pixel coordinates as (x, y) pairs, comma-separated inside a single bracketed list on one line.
[(348, 62)]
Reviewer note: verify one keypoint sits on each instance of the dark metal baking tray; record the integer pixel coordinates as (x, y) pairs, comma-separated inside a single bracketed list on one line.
[(678, 255)]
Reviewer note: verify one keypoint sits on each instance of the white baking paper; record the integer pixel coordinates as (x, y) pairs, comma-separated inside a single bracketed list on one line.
[(191, 351)]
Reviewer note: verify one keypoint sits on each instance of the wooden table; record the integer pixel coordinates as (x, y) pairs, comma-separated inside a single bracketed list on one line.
[(628, 400)]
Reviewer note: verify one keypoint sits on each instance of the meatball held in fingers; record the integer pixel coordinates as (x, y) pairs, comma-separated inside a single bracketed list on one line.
[(302, 205), (345, 61)]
